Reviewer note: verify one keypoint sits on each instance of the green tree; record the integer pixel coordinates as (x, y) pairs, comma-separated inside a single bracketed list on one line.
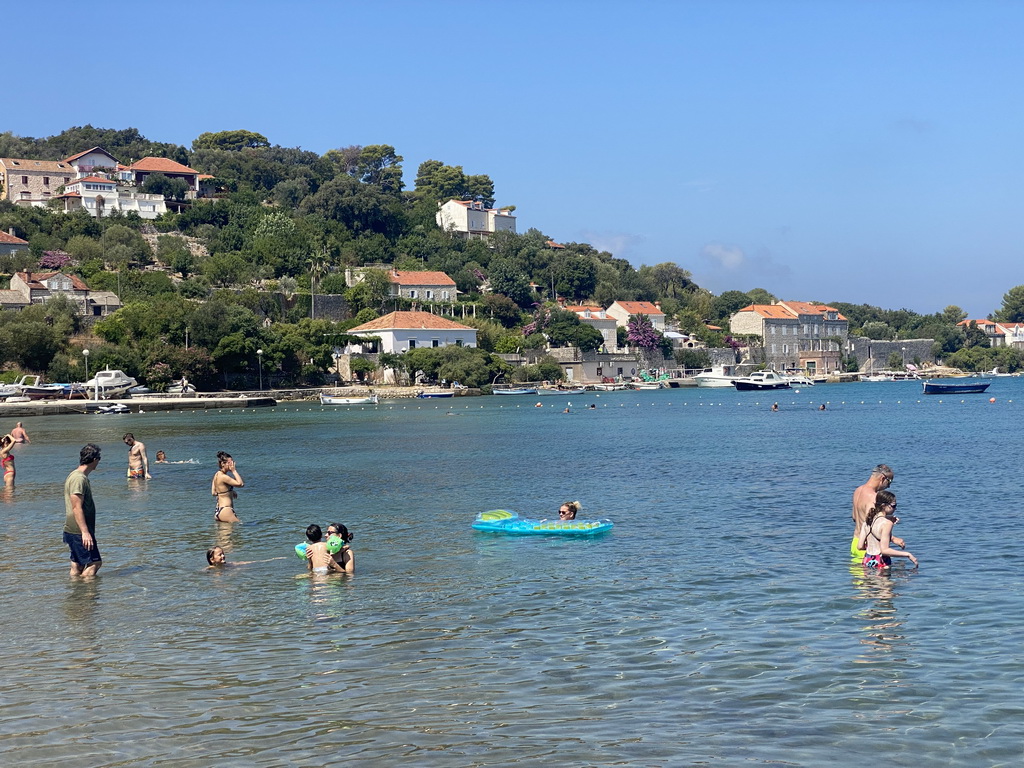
[(508, 278), (159, 184), (1012, 310), (974, 336), (379, 165), (230, 140)]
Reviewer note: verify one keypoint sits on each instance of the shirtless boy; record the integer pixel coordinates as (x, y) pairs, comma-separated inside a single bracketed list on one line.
[(864, 499), (318, 559), (138, 462)]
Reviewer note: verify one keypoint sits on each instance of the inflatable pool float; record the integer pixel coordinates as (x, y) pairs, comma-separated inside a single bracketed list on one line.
[(503, 521)]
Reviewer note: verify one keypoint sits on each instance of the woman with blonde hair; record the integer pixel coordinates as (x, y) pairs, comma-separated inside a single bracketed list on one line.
[(568, 510)]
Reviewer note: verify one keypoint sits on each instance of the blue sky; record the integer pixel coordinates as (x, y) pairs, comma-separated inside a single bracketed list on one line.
[(868, 152)]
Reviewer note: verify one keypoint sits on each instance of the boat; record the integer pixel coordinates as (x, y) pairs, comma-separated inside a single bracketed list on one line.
[(761, 380), (498, 389), (422, 394), (31, 386), (892, 376), (955, 388), (610, 386), (645, 385), (797, 379), (113, 408), (718, 376), (336, 400), (504, 521), (108, 383), (560, 391)]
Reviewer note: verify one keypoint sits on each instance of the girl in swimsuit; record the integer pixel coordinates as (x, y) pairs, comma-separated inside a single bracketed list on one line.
[(7, 458), (223, 487), (877, 538)]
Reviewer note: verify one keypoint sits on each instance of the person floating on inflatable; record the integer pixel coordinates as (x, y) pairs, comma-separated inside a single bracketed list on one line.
[(569, 510)]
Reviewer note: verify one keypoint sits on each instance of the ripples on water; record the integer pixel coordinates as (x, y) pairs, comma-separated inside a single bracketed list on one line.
[(720, 623)]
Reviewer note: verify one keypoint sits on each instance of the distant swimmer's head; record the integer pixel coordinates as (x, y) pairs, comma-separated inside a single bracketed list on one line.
[(161, 456), (216, 556), (313, 533)]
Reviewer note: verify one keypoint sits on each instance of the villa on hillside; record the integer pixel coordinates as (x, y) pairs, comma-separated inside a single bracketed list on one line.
[(796, 335), (597, 317), (999, 334), (32, 182), (469, 219), (622, 311), (11, 245), (401, 331)]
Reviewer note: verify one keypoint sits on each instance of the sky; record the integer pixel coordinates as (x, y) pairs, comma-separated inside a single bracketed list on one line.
[(861, 151)]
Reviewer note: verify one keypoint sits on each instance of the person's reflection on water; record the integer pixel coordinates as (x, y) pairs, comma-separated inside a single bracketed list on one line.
[(79, 609), (878, 591)]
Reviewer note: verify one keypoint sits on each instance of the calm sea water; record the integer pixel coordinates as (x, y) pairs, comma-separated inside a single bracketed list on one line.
[(720, 623)]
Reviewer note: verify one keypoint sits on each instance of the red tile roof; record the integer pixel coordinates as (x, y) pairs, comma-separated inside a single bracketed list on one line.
[(806, 308), (420, 278), (980, 323), (640, 307), (773, 311), (94, 179), (160, 165), (7, 239), (35, 280), (411, 321)]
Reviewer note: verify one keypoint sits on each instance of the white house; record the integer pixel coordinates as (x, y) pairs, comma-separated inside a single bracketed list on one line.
[(402, 331), (470, 219), (422, 286), (92, 161), (101, 197), (597, 317), (622, 311)]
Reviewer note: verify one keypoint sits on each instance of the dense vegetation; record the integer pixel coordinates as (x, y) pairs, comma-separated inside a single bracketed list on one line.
[(286, 222)]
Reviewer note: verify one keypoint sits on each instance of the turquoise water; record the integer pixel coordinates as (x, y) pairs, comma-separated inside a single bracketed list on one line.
[(720, 623)]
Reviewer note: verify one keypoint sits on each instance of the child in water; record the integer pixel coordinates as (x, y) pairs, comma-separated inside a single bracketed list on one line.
[(877, 538), (318, 559)]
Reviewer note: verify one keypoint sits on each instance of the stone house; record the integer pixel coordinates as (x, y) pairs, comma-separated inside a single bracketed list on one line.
[(597, 317), (11, 245), (796, 335), (402, 331), (422, 286), (39, 287), (32, 182), (470, 219)]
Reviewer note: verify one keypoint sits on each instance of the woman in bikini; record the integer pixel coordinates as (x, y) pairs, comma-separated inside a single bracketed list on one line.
[(877, 538), (7, 458), (223, 487)]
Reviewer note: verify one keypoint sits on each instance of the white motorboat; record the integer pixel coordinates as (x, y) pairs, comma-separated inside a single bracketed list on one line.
[(337, 400), (799, 380), (719, 376), (645, 385), (761, 380), (610, 386), (109, 384)]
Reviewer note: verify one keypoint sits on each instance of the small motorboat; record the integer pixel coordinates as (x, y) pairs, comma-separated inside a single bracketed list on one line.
[(338, 400), (113, 408), (109, 383), (761, 380), (511, 390), (431, 395), (31, 386), (560, 391), (719, 376), (955, 388)]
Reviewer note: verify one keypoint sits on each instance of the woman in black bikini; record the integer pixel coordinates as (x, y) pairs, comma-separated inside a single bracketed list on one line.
[(223, 487), (877, 536)]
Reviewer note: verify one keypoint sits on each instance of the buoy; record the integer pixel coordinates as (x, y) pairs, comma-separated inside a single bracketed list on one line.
[(991, 399)]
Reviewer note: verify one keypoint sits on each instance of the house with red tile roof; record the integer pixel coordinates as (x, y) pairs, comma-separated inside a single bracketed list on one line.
[(622, 311), (470, 219), (40, 287), (11, 245), (597, 317), (402, 331), (796, 335), (136, 173), (422, 286), (95, 160), (32, 182)]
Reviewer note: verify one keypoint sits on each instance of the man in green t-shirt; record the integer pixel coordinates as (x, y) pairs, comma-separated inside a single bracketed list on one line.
[(80, 515)]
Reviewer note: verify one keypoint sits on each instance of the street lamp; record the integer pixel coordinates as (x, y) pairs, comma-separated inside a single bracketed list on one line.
[(259, 355), (85, 354), (904, 357)]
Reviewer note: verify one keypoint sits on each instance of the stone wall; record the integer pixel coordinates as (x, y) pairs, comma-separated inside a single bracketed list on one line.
[(873, 354)]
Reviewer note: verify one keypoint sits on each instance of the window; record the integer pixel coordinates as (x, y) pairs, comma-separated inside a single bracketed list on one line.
[(24, 180), (773, 349), (435, 343), (46, 180), (412, 343), (412, 293), (67, 179), (430, 294), (445, 295), (458, 342)]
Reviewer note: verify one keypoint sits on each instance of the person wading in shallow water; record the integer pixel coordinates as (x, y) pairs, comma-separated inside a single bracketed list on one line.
[(80, 515), (864, 499)]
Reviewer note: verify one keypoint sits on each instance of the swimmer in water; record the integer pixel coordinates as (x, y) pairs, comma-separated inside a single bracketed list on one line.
[(877, 537), (343, 557), (568, 510), (223, 487), (318, 559), (19, 434), (7, 459)]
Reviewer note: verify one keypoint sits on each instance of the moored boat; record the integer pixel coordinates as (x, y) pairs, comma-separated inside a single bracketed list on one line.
[(511, 390), (645, 385), (955, 388), (761, 380), (717, 377), (607, 386), (338, 400), (560, 391), (109, 383), (429, 395)]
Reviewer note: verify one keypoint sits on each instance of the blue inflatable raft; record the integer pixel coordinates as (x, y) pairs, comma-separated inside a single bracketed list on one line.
[(503, 521)]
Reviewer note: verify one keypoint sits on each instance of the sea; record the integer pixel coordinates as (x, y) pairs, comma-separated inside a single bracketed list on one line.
[(720, 623)]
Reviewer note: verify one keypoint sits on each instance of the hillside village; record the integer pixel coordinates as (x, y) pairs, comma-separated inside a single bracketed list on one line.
[(329, 268)]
